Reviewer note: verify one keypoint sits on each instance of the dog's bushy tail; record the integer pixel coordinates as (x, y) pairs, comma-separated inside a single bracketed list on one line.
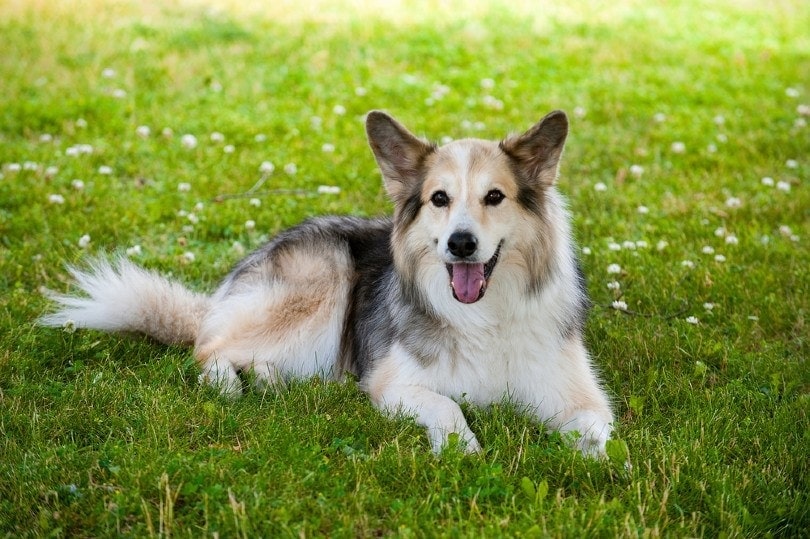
[(120, 296)]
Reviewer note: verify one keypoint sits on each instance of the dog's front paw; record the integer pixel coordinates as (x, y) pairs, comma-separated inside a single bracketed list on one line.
[(591, 433), (462, 438)]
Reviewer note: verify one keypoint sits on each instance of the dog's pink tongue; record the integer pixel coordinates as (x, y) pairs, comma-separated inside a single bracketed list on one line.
[(467, 282)]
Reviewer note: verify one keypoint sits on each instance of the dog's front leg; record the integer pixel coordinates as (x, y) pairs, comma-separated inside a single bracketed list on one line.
[(440, 415), (392, 393)]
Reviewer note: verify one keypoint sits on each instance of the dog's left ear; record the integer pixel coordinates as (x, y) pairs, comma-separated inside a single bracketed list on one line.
[(399, 153), (536, 153)]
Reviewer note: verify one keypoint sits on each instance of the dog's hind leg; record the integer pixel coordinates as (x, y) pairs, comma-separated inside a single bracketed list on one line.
[(284, 324)]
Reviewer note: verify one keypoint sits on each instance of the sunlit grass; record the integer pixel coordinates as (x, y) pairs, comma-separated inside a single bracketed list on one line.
[(149, 128)]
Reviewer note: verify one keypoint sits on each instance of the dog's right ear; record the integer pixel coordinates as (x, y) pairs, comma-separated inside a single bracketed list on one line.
[(400, 154)]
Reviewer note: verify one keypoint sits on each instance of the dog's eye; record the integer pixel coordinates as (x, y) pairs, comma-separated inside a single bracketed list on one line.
[(493, 198), (440, 199)]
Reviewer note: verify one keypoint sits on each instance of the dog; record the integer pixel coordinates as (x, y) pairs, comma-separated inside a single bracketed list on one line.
[(472, 293)]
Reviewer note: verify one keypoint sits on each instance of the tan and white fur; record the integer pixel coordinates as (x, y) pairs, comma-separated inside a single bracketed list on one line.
[(472, 292)]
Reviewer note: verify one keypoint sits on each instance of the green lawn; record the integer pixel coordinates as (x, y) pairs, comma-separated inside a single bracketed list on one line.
[(142, 127)]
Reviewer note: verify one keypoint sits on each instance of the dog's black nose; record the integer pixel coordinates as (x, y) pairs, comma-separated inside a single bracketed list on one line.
[(462, 244)]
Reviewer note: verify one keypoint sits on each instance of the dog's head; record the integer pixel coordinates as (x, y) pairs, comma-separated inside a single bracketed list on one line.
[(471, 203)]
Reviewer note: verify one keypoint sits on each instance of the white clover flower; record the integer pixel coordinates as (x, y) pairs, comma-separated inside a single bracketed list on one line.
[(492, 102), (446, 140), (719, 119), (765, 239), (661, 245), (678, 147), (688, 264), (636, 170), (51, 171), (328, 190), (167, 132), (614, 285), (84, 241), (692, 320), (660, 117), (188, 229), (260, 137), (731, 239), (30, 165), (291, 169), (77, 185), (182, 213), (184, 187), (267, 167), (188, 256), (250, 224), (199, 206), (619, 305), (791, 163), (56, 199), (614, 269), (613, 246), (255, 202), (708, 306), (108, 73), (135, 250), (794, 238), (643, 210), (641, 244), (360, 91), (81, 123), (328, 147), (105, 170), (631, 245), (72, 151), (791, 92), (46, 137), (13, 167), (316, 122), (479, 126), (118, 93), (803, 110), (767, 181), (579, 112), (733, 202), (85, 148), (600, 187), (586, 251), (69, 326), (192, 217), (215, 86), (216, 136), (800, 123), (720, 232), (707, 250), (188, 141), (228, 148), (785, 230), (722, 137), (719, 258), (711, 148), (238, 248), (783, 186), (143, 131), (487, 84), (340, 110)]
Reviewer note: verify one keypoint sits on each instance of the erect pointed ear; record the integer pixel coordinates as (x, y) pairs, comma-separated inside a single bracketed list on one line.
[(536, 153), (400, 154)]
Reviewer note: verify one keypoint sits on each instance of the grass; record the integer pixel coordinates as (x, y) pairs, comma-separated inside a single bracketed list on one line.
[(103, 435)]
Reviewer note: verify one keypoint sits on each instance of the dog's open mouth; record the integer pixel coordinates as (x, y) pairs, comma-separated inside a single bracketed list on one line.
[(469, 281)]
